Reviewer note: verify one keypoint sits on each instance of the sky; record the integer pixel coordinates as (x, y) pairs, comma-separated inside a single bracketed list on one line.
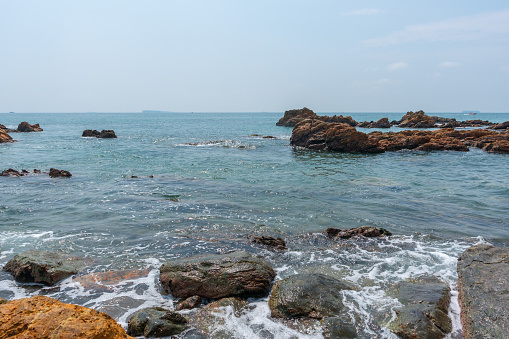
[(254, 56)]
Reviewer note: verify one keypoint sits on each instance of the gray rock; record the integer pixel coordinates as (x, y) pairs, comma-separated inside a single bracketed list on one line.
[(483, 285), (338, 327), (217, 276), (425, 302), (156, 322), (307, 295), (38, 266)]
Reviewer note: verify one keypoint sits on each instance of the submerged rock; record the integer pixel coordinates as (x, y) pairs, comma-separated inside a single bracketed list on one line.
[(156, 322), (338, 327), (105, 133), (54, 173), (43, 317), (26, 127), (217, 276), (103, 281), (273, 243), (425, 302), (38, 266), (307, 295), (483, 287), (364, 231), (189, 303)]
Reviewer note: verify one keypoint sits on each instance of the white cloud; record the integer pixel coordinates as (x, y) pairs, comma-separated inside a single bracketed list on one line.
[(449, 64), (397, 66), (364, 11), (475, 27)]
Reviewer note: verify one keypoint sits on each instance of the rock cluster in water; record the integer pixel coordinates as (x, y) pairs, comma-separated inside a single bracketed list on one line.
[(53, 172), (22, 127), (105, 133), (364, 231), (26, 127), (294, 116), (337, 137)]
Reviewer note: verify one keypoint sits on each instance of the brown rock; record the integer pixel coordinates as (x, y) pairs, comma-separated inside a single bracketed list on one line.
[(364, 231), (382, 123), (54, 173), (4, 137), (41, 317), (292, 117), (503, 125), (105, 133), (3, 301), (11, 172), (189, 303), (104, 280), (26, 127), (277, 244), (418, 119), (498, 146)]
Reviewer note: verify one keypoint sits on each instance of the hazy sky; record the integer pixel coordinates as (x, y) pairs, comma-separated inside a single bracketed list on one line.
[(239, 55)]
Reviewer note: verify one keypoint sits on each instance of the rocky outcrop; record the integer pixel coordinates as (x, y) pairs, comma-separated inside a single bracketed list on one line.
[(13, 173), (5, 137), (483, 291), (417, 119), (363, 231), (156, 322), (273, 243), (26, 127), (337, 137), (105, 133), (43, 317), (55, 173), (382, 123), (217, 276), (318, 135), (425, 302), (45, 267), (294, 116), (504, 125), (307, 295)]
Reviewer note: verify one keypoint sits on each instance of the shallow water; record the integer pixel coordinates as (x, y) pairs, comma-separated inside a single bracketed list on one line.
[(210, 196)]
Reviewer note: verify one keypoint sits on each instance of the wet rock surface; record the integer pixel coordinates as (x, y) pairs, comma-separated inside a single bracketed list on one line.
[(483, 286), (363, 231), (55, 173), (217, 276), (338, 327), (45, 267), (43, 317), (425, 302), (307, 295), (272, 243), (156, 322), (104, 134), (103, 281), (26, 127), (189, 303)]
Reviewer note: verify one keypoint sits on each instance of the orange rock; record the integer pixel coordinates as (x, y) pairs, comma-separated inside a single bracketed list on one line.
[(41, 317), (4, 137)]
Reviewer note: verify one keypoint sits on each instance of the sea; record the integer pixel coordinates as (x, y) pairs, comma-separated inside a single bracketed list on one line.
[(175, 185)]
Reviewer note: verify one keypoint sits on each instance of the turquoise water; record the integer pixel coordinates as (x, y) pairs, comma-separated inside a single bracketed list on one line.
[(208, 198)]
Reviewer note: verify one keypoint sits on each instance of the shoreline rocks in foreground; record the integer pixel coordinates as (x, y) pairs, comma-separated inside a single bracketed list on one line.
[(44, 317), (217, 276), (45, 267), (318, 135), (483, 287), (104, 134)]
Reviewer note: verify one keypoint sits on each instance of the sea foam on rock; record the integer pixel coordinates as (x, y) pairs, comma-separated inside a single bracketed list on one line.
[(45, 267), (43, 317), (217, 276), (483, 287)]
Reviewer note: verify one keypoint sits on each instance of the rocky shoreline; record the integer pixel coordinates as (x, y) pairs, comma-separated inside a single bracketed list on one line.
[(202, 284)]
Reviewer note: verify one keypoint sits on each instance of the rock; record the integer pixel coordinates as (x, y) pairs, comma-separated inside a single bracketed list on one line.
[(443, 144), (3, 301), (338, 327), (498, 146), (156, 322), (5, 137), (54, 173), (38, 266), (425, 302), (418, 119), (364, 231), (26, 127), (269, 137), (504, 125), (382, 123), (11, 172), (307, 295), (105, 133), (484, 291), (337, 137), (273, 243), (217, 276), (43, 317), (294, 116), (189, 303)]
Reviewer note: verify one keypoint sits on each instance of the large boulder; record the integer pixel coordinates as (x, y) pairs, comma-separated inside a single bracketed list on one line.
[(26, 127), (39, 266), (156, 322), (41, 317), (483, 286), (337, 137), (417, 119), (425, 301), (4, 136), (217, 276), (55, 173), (307, 295), (294, 116)]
